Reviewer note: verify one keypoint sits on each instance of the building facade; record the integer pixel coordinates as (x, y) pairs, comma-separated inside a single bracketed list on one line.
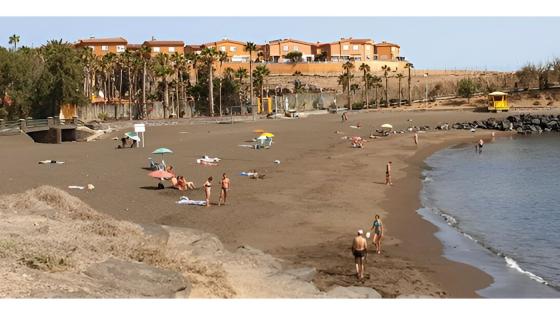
[(165, 46), (348, 49), (387, 51), (276, 50), (103, 46)]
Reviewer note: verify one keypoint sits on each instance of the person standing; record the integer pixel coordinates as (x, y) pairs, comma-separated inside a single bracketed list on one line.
[(344, 117), (208, 190), (480, 145), (388, 174), (359, 250), (377, 227), (225, 188), (416, 138)]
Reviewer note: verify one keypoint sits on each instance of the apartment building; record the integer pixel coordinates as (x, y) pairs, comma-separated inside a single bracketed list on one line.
[(165, 46), (387, 51), (276, 50), (103, 46), (348, 49)]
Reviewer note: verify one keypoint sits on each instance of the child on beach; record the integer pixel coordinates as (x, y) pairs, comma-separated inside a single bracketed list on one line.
[(208, 190), (225, 188), (377, 227), (416, 138), (359, 250)]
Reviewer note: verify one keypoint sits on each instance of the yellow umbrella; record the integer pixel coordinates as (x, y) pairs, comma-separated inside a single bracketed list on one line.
[(267, 134), (259, 130)]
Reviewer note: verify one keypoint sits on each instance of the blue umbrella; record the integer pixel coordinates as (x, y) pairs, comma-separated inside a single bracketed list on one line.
[(132, 135)]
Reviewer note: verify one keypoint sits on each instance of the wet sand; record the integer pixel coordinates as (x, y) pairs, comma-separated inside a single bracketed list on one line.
[(307, 208)]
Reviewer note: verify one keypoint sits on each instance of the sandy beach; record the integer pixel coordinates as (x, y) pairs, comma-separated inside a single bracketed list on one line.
[(306, 209)]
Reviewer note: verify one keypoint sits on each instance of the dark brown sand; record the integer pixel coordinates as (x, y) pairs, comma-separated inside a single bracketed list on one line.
[(307, 208)]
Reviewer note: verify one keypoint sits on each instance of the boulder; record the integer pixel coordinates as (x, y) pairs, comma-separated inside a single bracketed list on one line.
[(304, 273), (353, 293), (535, 121), (414, 296), (138, 279)]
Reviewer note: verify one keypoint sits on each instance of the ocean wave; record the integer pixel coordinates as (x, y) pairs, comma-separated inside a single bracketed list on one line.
[(513, 265), (427, 179)]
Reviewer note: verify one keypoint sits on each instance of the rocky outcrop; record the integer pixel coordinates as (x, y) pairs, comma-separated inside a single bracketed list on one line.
[(52, 245), (522, 124)]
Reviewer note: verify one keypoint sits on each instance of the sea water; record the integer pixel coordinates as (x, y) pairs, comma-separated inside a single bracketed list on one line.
[(499, 211)]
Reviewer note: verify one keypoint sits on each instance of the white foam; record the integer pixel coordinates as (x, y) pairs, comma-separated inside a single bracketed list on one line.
[(513, 264), (427, 179)]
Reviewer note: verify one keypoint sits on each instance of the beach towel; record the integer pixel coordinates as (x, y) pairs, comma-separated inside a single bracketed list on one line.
[(210, 159), (184, 200), (247, 174), (76, 187), (206, 163), (50, 162)]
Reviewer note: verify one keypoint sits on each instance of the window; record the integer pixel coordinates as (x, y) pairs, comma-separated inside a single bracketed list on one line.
[(171, 49), (355, 47), (345, 47), (368, 47), (120, 48), (223, 48), (232, 48), (285, 48), (105, 48), (155, 49), (296, 48)]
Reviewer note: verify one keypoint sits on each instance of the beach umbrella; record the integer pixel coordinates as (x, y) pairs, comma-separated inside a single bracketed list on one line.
[(388, 126), (259, 130), (132, 135), (162, 151), (160, 174), (267, 134)]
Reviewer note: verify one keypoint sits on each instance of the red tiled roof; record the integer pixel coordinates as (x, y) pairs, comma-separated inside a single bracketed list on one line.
[(116, 40), (280, 41), (133, 46), (386, 44), (351, 40), (225, 41), (165, 43)]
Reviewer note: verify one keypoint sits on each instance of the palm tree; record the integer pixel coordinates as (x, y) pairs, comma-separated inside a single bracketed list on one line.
[(222, 56), (240, 73), (366, 70), (14, 40), (297, 84), (88, 60), (209, 56), (343, 80), (386, 69), (250, 47), (145, 55), (409, 66), (348, 66), (260, 74), (127, 59), (375, 82), (163, 69), (400, 76)]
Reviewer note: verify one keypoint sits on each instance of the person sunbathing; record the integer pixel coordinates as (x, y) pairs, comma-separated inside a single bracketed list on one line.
[(180, 183)]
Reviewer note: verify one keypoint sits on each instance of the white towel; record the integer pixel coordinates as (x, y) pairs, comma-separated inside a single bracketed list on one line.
[(184, 200)]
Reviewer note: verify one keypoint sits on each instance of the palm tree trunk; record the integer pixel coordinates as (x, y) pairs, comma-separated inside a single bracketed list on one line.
[(220, 97), (376, 105), (144, 91), (387, 91), (409, 92), (129, 96), (400, 94), (165, 98), (251, 86), (367, 98), (211, 89)]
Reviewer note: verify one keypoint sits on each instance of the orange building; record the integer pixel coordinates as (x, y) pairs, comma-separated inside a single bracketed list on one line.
[(103, 46), (348, 49), (387, 51), (165, 46), (235, 50), (276, 50)]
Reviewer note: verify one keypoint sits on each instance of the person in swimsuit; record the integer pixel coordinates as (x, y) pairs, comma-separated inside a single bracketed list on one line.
[(359, 250), (344, 117), (225, 188), (416, 138), (388, 174), (377, 228), (208, 190), (480, 145)]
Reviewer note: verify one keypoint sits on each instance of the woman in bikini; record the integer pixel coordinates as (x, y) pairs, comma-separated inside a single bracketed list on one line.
[(208, 190), (377, 228)]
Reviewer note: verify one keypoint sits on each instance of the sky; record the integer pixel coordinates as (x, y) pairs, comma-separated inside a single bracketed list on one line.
[(492, 43)]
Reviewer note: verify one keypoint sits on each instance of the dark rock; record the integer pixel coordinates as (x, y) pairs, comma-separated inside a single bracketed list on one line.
[(138, 279)]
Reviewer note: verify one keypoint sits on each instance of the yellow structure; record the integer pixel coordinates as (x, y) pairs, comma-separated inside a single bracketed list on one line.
[(498, 101), (267, 103)]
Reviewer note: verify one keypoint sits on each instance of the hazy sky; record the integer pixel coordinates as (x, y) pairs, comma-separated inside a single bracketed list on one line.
[(497, 43)]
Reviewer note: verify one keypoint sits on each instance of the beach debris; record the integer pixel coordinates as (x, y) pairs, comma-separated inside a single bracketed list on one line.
[(355, 127), (76, 187), (184, 200), (473, 129), (90, 187), (276, 161), (246, 145), (51, 162), (183, 132), (368, 234)]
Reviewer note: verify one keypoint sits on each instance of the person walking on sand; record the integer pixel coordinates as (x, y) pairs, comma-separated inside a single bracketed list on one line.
[(388, 174), (377, 227), (225, 188), (359, 250), (416, 138), (208, 190)]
